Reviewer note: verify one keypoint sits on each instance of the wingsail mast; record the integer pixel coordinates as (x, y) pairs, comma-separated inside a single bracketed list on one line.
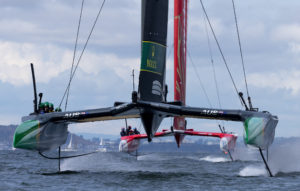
[(153, 61), (180, 37)]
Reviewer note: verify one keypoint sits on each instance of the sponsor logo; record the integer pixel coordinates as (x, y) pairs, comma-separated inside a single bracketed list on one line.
[(153, 51), (75, 114), (210, 112), (151, 64), (153, 57), (156, 88)]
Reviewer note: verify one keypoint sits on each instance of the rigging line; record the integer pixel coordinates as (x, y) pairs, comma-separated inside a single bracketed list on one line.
[(140, 126), (74, 53), (201, 84), (212, 63), (240, 46), (85, 45), (213, 67), (220, 50)]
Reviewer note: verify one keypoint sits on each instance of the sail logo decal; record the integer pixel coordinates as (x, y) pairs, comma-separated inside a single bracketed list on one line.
[(153, 51), (151, 63), (153, 57), (156, 87), (211, 112), (75, 114)]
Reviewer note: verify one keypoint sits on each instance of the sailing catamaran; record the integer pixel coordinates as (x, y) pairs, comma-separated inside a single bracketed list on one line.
[(48, 131), (101, 146), (70, 146)]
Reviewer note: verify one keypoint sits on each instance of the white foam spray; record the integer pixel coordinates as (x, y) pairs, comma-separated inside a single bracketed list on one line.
[(243, 153), (95, 162), (283, 158), (215, 159), (254, 171), (153, 157)]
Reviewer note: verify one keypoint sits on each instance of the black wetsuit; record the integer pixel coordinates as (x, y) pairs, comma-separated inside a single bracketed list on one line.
[(123, 133), (128, 131), (136, 132)]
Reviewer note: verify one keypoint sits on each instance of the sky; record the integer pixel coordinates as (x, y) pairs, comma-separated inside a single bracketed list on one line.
[(43, 32)]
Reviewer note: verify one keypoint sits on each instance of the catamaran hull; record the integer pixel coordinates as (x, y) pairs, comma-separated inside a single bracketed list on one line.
[(227, 143), (34, 135), (129, 145)]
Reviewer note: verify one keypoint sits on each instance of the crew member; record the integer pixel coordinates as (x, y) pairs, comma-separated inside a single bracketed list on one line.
[(51, 107), (136, 132), (41, 108), (123, 133), (58, 109), (46, 104), (131, 132), (128, 130)]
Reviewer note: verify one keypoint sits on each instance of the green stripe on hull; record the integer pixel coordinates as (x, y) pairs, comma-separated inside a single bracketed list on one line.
[(254, 131), (27, 134)]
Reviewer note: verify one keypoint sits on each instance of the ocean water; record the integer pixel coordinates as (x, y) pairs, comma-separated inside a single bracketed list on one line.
[(24, 170)]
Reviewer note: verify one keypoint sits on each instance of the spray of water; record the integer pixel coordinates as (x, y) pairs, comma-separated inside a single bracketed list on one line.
[(153, 157), (283, 158), (214, 159), (243, 153), (252, 170), (97, 162), (111, 161)]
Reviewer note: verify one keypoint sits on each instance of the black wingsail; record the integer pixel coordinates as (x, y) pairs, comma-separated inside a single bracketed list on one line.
[(153, 50), (153, 60)]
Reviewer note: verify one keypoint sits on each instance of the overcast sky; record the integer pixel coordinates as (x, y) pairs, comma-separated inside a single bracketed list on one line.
[(43, 32)]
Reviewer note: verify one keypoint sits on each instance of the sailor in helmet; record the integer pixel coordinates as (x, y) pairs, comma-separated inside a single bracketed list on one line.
[(51, 107), (129, 130), (41, 108), (135, 131), (58, 109), (46, 105), (123, 133)]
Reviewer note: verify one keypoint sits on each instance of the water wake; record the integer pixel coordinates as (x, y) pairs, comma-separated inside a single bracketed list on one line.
[(96, 162), (153, 157), (253, 171), (214, 159)]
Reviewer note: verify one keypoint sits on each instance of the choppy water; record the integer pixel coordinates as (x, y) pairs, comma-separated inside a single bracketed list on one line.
[(23, 170)]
